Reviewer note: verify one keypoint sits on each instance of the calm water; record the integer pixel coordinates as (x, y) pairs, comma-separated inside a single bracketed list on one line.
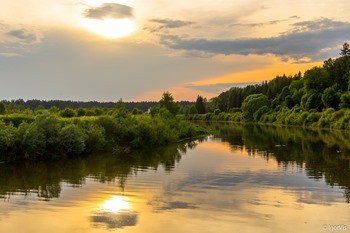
[(242, 179)]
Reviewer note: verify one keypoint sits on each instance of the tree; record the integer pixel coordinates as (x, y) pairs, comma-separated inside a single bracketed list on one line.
[(345, 51), (71, 140), (331, 97), (193, 110), (2, 108), (252, 104), (136, 111), (200, 105), (168, 102), (345, 100), (68, 112)]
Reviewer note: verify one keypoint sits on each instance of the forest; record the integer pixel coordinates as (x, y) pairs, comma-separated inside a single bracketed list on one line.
[(53, 133), (318, 98)]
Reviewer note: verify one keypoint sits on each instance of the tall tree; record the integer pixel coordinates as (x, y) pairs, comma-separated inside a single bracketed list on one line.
[(345, 51), (168, 102), (2, 108), (200, 105)]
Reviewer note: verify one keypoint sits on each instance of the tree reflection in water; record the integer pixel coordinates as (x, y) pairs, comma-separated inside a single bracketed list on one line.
[(324, 154), (44, 178)]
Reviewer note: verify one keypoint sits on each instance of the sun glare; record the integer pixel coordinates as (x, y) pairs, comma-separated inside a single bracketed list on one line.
[(110, 28), (116, 204)]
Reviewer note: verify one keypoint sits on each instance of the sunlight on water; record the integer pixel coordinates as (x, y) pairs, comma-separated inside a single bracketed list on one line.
[(116, 204)]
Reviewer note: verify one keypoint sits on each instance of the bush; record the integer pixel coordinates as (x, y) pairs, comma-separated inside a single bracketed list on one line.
[(16, 119), (345, 100), (252, 104), (71, 140), (95, 138), (257, 115), (7, 140), (331, 98), (81, 112), (32, 140), (68, 112)]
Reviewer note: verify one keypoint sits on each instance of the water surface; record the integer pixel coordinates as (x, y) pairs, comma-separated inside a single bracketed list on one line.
[(242, 179)]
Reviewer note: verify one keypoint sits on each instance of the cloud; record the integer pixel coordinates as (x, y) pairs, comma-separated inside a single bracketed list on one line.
[(309, 39), (169, 23), (24, 36), (162, 24), (320, 24), (272, 22), (110, 10)]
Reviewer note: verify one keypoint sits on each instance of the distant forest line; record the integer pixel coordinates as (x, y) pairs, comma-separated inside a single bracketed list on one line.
[(35, 104)]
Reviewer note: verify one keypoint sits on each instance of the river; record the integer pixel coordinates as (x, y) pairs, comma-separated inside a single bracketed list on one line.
[(243, 178)]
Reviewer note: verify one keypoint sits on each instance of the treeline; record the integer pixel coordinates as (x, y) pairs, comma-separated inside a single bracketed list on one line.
[(319, 98), (19, 105), (47, 135)]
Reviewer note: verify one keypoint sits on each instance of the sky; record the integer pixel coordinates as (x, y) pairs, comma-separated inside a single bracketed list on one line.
[(136, 50)]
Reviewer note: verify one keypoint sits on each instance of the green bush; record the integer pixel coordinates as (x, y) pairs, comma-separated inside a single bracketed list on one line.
[(32, 140), (258, 114), (252, 104), (68, 112), (7, 141), (16, 119), (345, 100), (95, 138), (71, 140)]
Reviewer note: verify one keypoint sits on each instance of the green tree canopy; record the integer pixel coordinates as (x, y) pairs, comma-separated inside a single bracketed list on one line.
[(2, 108), (168, 102), (200, 105), (345, 51), (253, 103)]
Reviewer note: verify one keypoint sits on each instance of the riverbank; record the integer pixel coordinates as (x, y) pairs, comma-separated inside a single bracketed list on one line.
[(49, 136), (327, 119)]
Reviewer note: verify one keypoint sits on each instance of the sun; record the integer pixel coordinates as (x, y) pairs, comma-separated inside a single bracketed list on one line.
[(110, 28)]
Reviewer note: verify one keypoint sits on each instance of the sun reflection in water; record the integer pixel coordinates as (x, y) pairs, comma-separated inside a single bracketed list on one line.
[(116, 204)]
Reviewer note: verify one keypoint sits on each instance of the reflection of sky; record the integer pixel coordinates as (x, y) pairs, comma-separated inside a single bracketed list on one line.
[(212, 189)]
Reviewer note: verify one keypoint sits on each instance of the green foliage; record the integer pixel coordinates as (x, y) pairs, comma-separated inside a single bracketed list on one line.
[(16, 119), (193, 110), (217, 112), (345, 51), (50, 126), (261, 111), (95, 139), (331, 97), (2, 108), (253, 103), (54, 109), (136, 111), (200, 105), (7, 140), (32, 140), (345, 100), (71, 140), (313, 101), (81, 112), (317, 79), (68, 112), (168, 102)]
